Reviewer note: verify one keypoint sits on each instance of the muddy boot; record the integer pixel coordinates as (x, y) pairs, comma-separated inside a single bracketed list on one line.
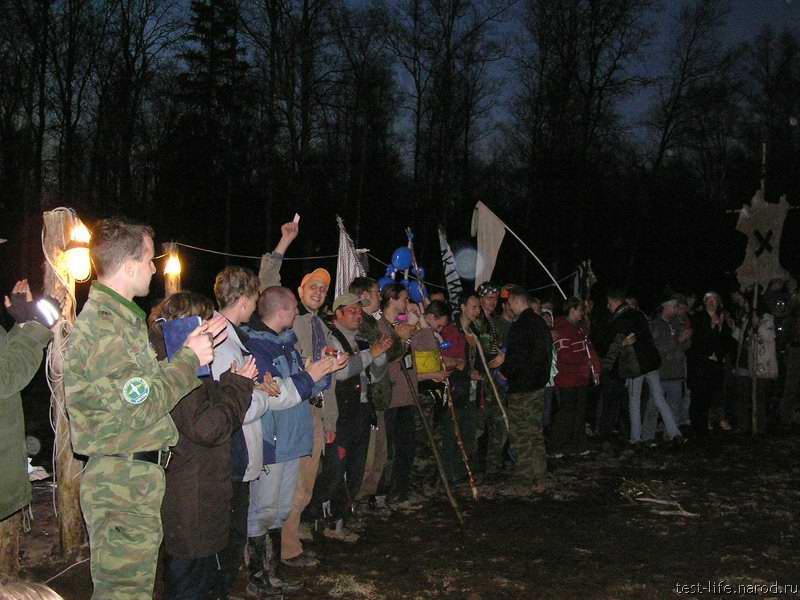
[(274, 567), (258, 583)]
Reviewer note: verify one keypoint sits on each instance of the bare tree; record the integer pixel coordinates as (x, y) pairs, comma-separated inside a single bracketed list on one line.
[(694, 59)]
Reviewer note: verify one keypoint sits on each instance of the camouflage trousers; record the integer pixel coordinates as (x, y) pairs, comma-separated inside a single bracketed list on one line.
[(121, 503), (525, 412)]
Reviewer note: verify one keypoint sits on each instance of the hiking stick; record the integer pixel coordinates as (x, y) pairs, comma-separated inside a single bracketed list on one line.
[(426, 425), (460, 440), (491, 380)]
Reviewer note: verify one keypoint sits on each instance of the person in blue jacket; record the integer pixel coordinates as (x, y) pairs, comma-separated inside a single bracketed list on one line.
[(288, 434)]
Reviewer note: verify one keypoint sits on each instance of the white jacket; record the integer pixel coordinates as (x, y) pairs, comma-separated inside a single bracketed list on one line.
[(231, 351)]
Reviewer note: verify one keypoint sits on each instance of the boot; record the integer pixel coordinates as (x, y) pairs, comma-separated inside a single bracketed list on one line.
[(274, 570), (258, 583)]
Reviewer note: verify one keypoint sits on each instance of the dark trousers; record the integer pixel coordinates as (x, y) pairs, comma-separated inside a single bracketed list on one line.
[(232, 557), (706, 384), (614, 394), (568, 428), (341, 476), (401, 438), (192, 579)]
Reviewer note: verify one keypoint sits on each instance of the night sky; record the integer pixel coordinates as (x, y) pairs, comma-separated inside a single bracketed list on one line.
[(745, 20)]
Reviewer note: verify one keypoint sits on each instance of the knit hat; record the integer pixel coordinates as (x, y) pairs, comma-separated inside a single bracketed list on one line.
[(319, 274)]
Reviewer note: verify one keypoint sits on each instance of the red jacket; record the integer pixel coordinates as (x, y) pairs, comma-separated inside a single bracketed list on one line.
[(576, 361)]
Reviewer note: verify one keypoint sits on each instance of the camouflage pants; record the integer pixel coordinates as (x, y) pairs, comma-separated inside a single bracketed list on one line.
[(121, 503), (525, 411)]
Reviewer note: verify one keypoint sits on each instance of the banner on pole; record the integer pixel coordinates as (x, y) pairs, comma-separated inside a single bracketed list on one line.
[(348, 265), (451, 276), (762, 223), (490, 231)]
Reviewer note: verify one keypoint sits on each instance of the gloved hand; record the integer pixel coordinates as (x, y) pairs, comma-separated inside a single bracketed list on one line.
[(45, 310)]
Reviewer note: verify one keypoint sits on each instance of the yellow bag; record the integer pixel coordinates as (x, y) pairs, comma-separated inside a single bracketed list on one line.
[(427, 361)]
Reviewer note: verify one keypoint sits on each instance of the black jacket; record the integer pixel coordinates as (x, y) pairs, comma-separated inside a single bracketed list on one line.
[(708, 342), (527, 364), (626, 320)]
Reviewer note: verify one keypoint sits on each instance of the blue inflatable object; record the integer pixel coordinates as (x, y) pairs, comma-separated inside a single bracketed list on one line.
[(445, 345), (415, 291), (419, 272), (384, 281), (401, 258)]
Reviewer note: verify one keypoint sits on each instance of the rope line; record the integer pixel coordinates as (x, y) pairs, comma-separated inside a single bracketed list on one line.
[(251, 257)]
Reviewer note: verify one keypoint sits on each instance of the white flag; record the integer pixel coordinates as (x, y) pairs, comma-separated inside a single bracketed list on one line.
[(762, 223), (490, 232), (348, 265)]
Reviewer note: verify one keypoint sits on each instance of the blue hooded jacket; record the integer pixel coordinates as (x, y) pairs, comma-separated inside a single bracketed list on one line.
[(288, 434)]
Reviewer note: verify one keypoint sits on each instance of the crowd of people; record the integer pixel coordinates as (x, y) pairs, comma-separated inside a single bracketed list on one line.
[(276, 417)]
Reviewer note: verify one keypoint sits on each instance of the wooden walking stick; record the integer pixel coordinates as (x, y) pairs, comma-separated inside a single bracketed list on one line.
[(491, 380), (457, 430), (426, 425), (460, 440)]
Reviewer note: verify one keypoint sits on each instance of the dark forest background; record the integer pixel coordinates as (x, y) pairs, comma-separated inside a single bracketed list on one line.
[(216, 121)]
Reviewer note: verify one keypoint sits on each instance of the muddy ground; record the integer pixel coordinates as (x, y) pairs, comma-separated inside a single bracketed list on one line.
[(619, 524)]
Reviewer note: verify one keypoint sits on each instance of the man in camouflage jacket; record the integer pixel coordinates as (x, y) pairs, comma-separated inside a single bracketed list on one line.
[(119, 397)]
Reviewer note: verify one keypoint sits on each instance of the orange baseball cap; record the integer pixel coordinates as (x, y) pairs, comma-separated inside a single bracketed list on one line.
[(319, 274)]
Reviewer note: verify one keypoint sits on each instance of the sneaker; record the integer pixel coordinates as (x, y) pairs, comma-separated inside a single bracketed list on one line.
[(340, 533), (304, 560), (304, 532)]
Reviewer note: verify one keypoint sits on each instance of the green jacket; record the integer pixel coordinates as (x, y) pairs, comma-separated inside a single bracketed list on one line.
[(20, 357), (118, 394)]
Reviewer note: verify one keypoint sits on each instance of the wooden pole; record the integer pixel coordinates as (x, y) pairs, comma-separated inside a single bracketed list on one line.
[(172, 281), (754, 362), (442, 475), (57, 227)]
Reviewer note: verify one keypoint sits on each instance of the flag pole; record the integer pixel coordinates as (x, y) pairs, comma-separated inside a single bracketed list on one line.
[(546, 270)]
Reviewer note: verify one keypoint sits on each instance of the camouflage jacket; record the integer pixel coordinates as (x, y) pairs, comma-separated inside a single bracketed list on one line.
[(118, 394), (20, 357)]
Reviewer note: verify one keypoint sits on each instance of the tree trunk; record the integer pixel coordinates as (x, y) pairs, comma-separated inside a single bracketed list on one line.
[(10, 529), (57, 226)]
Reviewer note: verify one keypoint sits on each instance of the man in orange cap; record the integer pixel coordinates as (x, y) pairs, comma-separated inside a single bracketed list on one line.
[(312, 338)]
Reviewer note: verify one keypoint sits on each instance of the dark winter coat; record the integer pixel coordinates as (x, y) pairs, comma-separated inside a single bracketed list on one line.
[(710, 344), (672, 351), (197, 503), (527, 364), (626, 320)]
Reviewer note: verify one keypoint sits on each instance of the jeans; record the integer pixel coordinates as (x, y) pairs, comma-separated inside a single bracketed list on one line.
[(271, 498), (653, 380), (673, 394)]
